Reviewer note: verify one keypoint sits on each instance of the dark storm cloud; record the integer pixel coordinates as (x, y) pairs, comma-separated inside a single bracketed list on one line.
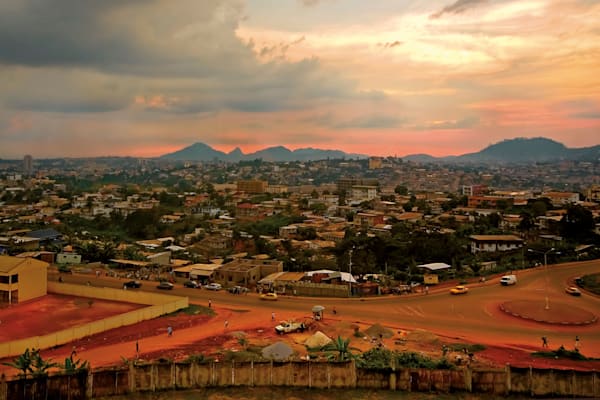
[(63, 32), (459, 6), (184, 53)]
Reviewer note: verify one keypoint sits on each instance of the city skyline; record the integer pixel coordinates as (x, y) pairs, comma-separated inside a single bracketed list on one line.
[(128, 78)]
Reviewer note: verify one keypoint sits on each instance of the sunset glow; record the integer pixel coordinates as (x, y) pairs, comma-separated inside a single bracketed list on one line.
[(384, 77)]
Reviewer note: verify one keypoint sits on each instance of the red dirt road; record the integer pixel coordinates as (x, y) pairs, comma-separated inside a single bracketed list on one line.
[(420, 323)]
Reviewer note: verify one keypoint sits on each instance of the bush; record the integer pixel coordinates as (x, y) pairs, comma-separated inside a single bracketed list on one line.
[(561, 352)]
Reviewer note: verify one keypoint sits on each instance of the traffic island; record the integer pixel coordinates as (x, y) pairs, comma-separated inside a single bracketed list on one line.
[(557, 314)]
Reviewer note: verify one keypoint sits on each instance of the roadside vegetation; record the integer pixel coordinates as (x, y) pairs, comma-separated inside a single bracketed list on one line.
[(591, 283)]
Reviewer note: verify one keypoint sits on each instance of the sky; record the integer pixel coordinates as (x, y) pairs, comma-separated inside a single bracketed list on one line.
[(380, 77)]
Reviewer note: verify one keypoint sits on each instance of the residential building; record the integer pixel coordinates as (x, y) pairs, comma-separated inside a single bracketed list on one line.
[(252, 186), (561, 198), (493, 243), (22, 279), (246, 271)]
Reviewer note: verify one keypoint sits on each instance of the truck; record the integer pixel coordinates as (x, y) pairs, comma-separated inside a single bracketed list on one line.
[(289, 327), (507, 280)]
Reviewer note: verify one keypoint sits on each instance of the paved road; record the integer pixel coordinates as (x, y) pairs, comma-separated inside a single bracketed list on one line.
[(472, 317)]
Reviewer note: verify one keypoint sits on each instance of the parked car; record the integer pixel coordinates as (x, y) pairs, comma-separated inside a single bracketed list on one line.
[(573, 291), (165, 285), (268, 296), (507, 280), (238, 289), (191, 284), (289, 327), (213, 286), (459, 290), (132, 285)]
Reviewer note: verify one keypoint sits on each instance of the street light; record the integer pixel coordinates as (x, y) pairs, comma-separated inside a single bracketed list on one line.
[(545, 253)]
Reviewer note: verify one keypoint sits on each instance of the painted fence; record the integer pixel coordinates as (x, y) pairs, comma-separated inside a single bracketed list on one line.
[(168, 376)]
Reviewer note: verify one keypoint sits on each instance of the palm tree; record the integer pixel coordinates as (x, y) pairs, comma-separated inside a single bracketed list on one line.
[(342, 347), (40, 366), (73, 366), (22, 363), (31, 362)]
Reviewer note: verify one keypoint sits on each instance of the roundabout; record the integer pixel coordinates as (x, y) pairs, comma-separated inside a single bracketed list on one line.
[(558, 314)]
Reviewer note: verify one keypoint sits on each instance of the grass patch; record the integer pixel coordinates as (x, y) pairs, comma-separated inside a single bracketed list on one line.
[(471, 348), (192, 309), (591, 283), (563, 353)]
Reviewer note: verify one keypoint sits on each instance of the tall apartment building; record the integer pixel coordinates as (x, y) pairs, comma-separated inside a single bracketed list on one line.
[(345, 184), (375, 162), (252, 186), (28, 165)]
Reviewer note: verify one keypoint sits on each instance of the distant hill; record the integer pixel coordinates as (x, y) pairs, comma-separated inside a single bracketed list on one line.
[(203, 152), (519, 150)]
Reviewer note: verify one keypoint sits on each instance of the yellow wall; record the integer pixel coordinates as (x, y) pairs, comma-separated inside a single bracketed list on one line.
[(160, 304), (33, 279)]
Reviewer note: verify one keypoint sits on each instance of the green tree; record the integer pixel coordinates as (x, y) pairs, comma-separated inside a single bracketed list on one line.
[(31, 363), (401, 190), (39, 365), (23, 363), (340, 346), (71, 366), (577, 224)]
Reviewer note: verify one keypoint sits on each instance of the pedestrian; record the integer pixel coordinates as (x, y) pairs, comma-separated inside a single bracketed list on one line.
[(170, 330), (137, 349), (426, 289), (272, 316), (544, 342), (226, 324), (334, 311), (209, 303), (577, 343)]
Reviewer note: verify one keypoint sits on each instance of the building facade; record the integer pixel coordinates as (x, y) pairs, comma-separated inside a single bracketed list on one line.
[(22, 279)]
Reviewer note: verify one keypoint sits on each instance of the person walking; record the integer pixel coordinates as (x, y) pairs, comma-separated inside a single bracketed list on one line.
[(137, 349), (577, 343), (544, 342), (209, 303), (272, 316), (169, 330), (226, 324)]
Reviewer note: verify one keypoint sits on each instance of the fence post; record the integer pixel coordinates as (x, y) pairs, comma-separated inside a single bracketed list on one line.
[(508, 379), (530, 381), (131, 377), (468, 379), (393, 380), (232, 372), (3, 388), (173, 374), (89, 390)]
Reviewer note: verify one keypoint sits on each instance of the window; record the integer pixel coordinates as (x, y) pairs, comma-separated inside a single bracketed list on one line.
[(15, 278), (3, 279)]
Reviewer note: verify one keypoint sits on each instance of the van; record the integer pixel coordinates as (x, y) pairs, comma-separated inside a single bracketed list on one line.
[(508, 280)]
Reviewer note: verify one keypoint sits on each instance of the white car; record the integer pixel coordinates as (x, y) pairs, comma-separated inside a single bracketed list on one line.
[(213, 286), (507, 280)]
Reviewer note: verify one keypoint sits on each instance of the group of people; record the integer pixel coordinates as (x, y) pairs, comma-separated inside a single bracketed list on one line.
[(545, 342)]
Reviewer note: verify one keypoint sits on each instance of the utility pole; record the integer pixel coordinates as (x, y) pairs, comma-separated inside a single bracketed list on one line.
[(545, 253), (350, 272)]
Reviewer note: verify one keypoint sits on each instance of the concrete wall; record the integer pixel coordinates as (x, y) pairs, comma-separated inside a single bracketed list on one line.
[(160, 304), (163, 376)]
